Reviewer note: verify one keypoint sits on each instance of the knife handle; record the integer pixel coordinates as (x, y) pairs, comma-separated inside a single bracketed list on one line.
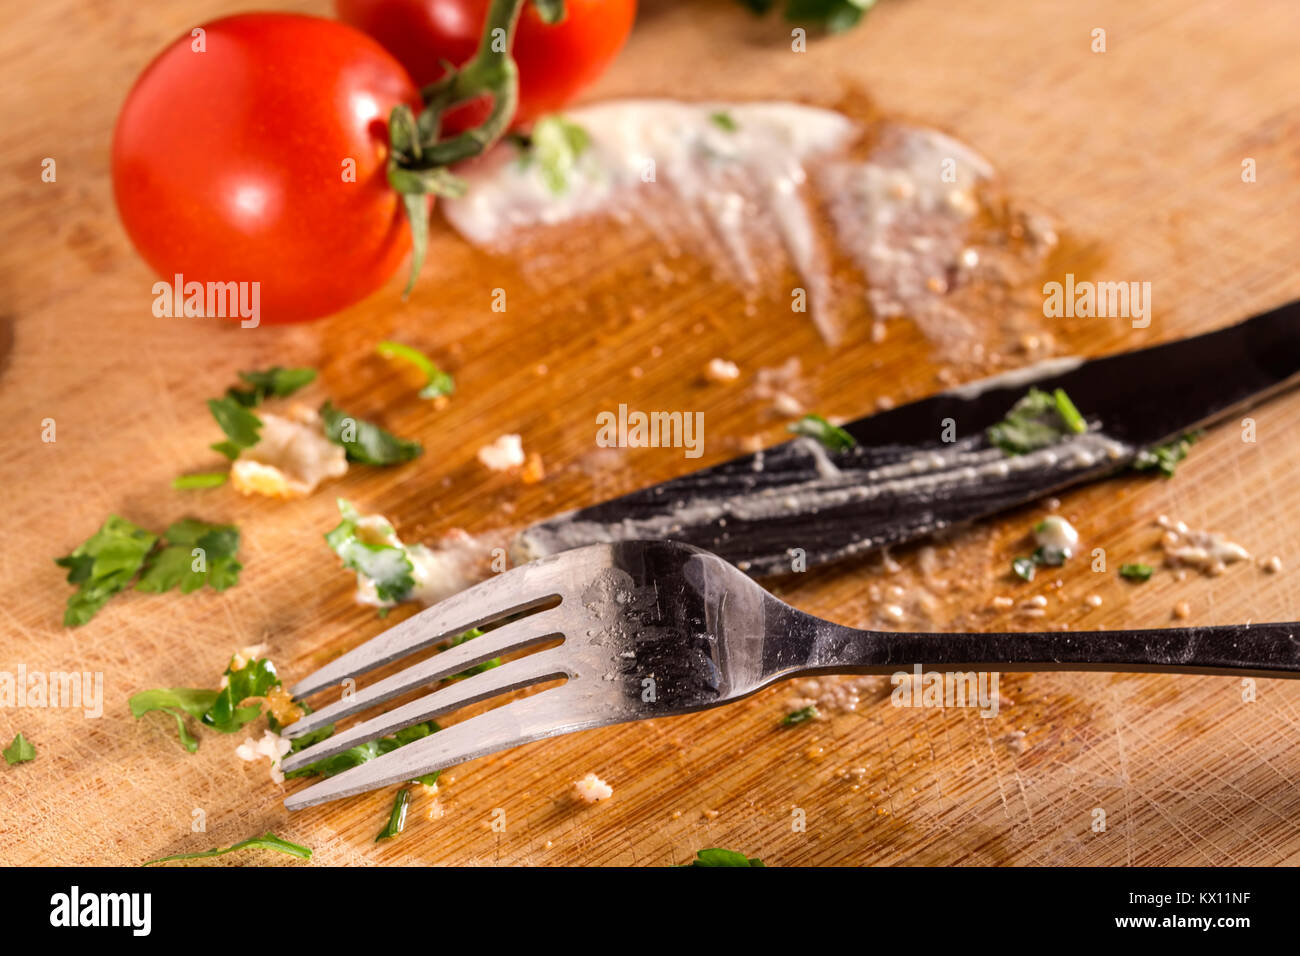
[(1243, 650)]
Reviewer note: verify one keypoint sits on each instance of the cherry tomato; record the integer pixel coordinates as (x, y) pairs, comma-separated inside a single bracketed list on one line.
[(555, 62), (256, 152)]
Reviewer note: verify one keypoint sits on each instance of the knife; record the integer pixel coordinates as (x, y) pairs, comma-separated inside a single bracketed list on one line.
[(926, 466)]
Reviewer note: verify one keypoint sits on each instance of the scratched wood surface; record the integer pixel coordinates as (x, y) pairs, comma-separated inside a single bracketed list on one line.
[(1136, 152)]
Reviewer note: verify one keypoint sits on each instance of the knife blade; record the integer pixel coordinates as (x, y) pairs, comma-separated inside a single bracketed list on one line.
[(928, 465)]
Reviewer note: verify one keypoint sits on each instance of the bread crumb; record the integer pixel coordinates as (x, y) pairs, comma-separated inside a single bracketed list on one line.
[(721, 370), (534, 471), (271, 746), (591, 789), (1271, 565), (503, 454), (1182, 610)]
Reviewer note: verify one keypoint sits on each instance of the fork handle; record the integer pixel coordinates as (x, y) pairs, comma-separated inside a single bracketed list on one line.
[(1244, 650)]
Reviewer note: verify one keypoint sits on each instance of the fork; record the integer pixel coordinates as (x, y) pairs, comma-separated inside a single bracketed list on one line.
[(655, 628)]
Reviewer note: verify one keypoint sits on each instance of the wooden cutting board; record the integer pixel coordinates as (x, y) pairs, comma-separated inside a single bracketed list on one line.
[(1136, 151)]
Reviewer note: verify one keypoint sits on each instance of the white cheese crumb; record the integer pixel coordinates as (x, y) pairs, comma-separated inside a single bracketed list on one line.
[(503, 454), (591, 789), (292, 457), (1054, 533), (271, 746), (720, 370)]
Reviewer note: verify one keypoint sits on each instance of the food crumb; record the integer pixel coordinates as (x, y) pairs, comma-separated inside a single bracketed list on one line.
[(1271, 565), (591, 789), (1093, 600), (272, 746), (1182, 610), (534, 471), (1001, 602), (503, 454), (1014, 741), (720, 370)]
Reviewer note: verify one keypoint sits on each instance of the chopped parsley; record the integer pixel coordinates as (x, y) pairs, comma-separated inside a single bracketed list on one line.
[(242, 427), (833, 16), (718, 857), (1165, 458), (799, 716), (221, 710), (724, 121), (1036, 421), (437, 382), (196, 553), (364, 441), (1136, 571), (104, 565), (361, 753), (203, 479), (556, 144), (481, 666), (274, 382), (832, 436), (19, 751), (267, 841), (397, 818), (1024, 568), (387, 566)]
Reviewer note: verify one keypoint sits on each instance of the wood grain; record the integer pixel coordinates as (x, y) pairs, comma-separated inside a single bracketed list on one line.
[(1137, 152)]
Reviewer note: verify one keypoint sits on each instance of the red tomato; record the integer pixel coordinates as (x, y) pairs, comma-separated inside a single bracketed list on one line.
[(555, 62), (229, 164)]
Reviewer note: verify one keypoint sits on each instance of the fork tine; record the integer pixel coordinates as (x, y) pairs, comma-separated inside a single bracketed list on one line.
[(516, 723), (508, 637), (533, 669), (518, 589)]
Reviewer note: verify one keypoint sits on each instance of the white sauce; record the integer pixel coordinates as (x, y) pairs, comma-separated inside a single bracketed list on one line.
[(1208, 552), (1054, 533), (738, 192), (438, 572), (503, 454)]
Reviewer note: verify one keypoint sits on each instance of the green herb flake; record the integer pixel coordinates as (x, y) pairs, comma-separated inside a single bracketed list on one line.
[(1036, 421), (219, 710), (196, 553), (556, 144), (478, 668), (104, 565), (799, 716), (397, 818), (1165, 458), (274, 382), (387, 566), (437, 382), (719, 857), (1136, 571), (724, 121), (1023, 568), (242, 427), (361, 753), (833, 16), (203, 479), (268, 841), (19, 751), (832, 436), (364, 441)]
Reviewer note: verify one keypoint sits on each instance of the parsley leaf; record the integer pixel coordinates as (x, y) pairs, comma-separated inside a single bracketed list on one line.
[(833, 16), (718, 857), (556, 144), (361, 753), (832, 436), (241, 426), (437, 382), (1136, 572), (397, 818), (274, 382), (1036, 421), (799, 716), (267, 841), (387, 566), (364, 441), (103, 566), (20, 751), (217, 709), (1165, 458), (196, 553)]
